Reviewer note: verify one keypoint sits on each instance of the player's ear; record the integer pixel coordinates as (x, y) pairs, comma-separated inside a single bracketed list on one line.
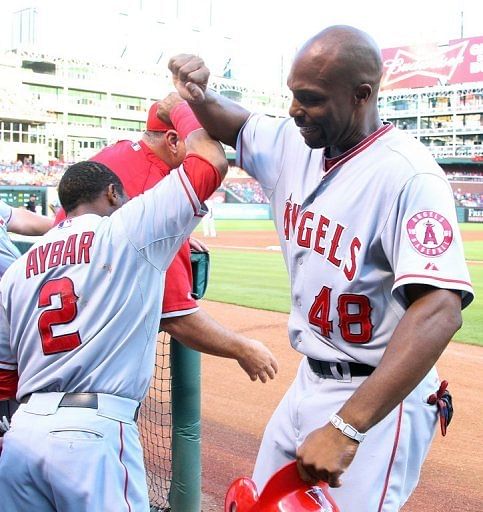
[(114, 196), (363, 93), (172, 140)]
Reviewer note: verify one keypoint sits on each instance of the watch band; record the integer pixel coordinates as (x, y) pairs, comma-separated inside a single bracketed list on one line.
[(346, 429)]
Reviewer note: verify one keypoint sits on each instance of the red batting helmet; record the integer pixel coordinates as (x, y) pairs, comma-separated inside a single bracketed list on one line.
[(284, 492)]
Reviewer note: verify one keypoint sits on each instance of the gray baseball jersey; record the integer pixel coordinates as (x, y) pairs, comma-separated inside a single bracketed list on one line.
[(8, 252), (382, 217), (87, 309)]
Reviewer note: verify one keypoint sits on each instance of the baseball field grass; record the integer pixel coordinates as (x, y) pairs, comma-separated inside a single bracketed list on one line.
[(259, 279)]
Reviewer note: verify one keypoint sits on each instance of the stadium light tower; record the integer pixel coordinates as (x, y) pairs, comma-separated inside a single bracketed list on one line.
[(24, 27)]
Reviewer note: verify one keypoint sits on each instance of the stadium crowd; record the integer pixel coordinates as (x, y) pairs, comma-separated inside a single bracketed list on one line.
[(464, 176), (248, 191), (244, 190), (48, 175), (37, 175), (468, 198)]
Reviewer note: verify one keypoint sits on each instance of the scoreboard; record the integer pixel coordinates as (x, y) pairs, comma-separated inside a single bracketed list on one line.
[(19, 196)]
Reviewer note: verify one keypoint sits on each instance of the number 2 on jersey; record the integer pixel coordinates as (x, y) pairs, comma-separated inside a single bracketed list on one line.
[(319, 315), (63, 287)]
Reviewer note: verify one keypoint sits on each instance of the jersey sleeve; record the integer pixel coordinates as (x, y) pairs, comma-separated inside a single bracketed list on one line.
[(5, 212), (178, 285), (259, 149), (160, 220), (203, 176), (422, 240), (8, 360)]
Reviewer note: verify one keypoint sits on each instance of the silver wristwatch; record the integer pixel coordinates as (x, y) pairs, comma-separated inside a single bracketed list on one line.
[(346, 429)]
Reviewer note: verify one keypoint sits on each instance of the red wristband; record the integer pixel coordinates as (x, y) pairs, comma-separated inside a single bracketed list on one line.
[(183, 119)]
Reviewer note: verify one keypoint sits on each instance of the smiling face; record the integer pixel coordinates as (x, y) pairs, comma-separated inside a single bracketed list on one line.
[(334, 82), (323, 104)]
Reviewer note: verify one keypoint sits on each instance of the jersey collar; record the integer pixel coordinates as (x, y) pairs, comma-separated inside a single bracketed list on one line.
[(329, 164)]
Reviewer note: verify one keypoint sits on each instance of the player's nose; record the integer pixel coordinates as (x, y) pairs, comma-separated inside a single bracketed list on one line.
[(295, 110)]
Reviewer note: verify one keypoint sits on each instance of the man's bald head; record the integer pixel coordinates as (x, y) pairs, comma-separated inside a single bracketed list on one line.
[(352, 55), (334, 81)]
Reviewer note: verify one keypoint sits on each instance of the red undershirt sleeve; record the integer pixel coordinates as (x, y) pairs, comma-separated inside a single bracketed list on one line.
[(203, 176), (8, 384)]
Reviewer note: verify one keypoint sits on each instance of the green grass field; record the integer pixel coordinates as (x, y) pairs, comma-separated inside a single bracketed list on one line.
[(259, 280), (242, 225)]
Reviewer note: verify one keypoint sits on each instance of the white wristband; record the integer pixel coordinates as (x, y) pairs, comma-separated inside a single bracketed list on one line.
[(346, 429)]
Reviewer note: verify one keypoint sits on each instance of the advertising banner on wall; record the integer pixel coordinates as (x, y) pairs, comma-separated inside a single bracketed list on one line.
[(475, 215), (458, 62)]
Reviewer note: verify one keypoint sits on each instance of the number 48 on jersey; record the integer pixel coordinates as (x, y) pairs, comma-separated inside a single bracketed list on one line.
[(354, 313)]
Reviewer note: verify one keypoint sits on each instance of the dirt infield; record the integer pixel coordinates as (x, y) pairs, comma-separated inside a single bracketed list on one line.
[(235, 410), (472, 236), (261, 240)]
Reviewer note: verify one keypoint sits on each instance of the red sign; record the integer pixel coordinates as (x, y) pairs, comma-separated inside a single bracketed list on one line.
[(458, 62)]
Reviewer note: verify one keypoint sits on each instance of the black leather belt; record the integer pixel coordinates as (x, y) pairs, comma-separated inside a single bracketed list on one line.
[(339, 370), (83, 400)]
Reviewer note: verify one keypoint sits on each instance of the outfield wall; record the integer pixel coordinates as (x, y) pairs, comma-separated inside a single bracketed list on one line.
[(242, 211), (469, 214), (18, 196)]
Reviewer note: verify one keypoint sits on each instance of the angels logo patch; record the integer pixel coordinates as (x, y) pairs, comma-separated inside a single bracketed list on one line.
[(430, 233)]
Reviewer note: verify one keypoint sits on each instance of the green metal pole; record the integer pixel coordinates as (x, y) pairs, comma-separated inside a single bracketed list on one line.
[(185, 493)]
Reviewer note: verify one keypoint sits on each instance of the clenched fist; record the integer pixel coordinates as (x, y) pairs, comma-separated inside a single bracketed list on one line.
[(190, 77)]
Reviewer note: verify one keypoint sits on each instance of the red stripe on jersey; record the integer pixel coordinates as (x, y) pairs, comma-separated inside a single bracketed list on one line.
[(393, 456), (331, 163), (126, 481), (458, 281), (8, 384), (203, 175), (181, 177)]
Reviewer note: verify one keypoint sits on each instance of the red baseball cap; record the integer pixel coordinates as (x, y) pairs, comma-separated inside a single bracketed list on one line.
[(154, 124)]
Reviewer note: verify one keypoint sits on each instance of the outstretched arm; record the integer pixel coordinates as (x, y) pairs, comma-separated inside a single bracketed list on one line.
[(201, 332), (25, 222), (221, 117)]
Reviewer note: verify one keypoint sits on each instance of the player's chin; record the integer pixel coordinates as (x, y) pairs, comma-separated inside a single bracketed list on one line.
[(314, 144), (312, 138)]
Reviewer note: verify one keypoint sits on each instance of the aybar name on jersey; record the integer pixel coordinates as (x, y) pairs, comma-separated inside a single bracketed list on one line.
[(74, 250)]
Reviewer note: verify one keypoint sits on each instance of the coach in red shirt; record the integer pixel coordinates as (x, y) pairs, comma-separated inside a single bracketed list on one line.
[(142, 164)]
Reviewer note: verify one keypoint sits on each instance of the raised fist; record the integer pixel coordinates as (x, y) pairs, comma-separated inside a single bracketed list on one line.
[(190, 77)]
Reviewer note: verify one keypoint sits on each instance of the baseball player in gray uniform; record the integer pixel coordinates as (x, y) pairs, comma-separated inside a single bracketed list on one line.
[(79, 315), (24, 222), (367, 225)]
